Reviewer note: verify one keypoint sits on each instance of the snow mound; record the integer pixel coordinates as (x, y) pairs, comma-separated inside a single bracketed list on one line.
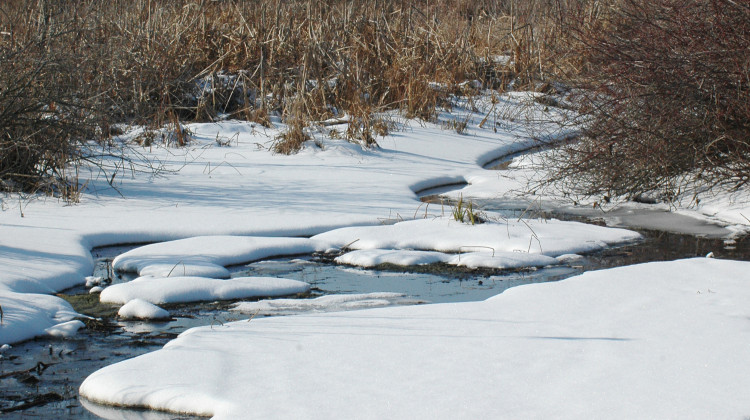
[(196, 289), (141, 309), (657, 340), (206, 256), (29, 315), (65, 329), (92, 281), (547, 237), (499, 260), (375, 257), (183, 269), (328, 303)]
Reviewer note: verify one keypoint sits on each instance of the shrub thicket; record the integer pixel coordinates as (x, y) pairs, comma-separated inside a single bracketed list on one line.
[(667, 98)]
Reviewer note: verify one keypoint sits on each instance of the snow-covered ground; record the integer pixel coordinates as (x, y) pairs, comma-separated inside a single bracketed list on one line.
[(695, 211), (227, 199), (658, 340), (228, 182)]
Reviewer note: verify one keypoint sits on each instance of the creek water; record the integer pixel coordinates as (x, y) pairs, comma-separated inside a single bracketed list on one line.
[(40, 378)]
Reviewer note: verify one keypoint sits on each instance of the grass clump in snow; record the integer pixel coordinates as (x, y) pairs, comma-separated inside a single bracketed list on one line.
[(464, 212)]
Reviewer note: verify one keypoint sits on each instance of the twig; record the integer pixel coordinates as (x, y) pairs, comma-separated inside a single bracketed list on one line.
[(475, 246), (175, 266), (347, 245), (253, 315)]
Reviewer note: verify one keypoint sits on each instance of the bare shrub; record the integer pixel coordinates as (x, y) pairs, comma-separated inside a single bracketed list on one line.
[(669, 100), (46, 106)]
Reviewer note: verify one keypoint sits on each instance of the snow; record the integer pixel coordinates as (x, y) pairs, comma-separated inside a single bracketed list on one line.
[(658, 340), (141, 309), (567, 258), (183, 269), (547, 237), (695, 211), (328, 303), (29, 315), (206, 256), (502, 244), (502, 260), (243, 189), (375, 257), (92, 281), (499, 260), (64, 329), (196, 289)]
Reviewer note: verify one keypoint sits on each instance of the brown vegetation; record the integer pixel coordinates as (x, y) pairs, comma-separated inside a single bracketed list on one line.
[(669, 78), (666, 88), (70, 69)]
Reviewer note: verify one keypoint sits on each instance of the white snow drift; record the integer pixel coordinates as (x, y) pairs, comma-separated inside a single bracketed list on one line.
[(195, 289), (206, 256), (141, 309), (27, 315), (500, 260), (498, 244), (328, 303), (658, 340), (546, 237)]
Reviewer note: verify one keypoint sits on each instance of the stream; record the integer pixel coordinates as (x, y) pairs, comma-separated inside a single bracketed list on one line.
[(40, 377)]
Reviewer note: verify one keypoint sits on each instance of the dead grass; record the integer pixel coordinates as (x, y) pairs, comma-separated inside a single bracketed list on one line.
[(154, 62)]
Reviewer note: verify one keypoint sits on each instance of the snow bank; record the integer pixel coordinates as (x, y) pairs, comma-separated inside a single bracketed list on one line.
[(509, 244), (658, 340), (184, 269), (141, 309), (206, 256), (41, 260), (547, 237), (245, 189), (374, 257), (694, 211), (65, 329), (196, 289), (29, 315), (499, 260), (328, 303)]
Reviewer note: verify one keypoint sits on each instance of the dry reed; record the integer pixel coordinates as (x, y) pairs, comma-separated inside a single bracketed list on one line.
[(90, 64)]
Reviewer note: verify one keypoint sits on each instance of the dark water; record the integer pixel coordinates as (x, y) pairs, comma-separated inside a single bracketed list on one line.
[(40, 378)]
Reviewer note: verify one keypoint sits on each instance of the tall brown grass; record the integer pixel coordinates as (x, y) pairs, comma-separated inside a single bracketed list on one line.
[(84, 65)]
